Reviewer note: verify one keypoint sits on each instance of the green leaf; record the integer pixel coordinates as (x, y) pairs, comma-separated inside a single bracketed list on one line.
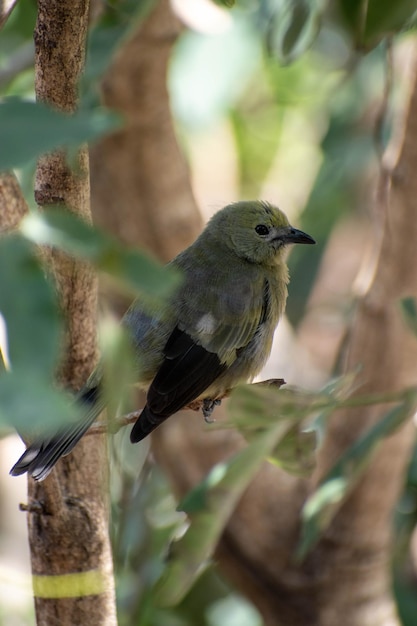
[(253, 408), (28, 129), (209, 507), (29, 403), (118, 367), (409, 311), (296, 452), (230, 56), (28, 305), (325, 502), (62, 229), (257, 129), (226, 3), (293, 27), (371, 21), (33, 324), (102, 44)]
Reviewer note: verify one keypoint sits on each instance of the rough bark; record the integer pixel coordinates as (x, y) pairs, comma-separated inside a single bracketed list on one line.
[(347, 577), (68, 512)]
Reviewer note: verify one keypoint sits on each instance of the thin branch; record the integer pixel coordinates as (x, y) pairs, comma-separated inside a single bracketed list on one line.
[(112, 427)]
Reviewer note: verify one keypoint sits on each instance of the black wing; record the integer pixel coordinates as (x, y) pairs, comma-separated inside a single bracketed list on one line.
[(187, 370)]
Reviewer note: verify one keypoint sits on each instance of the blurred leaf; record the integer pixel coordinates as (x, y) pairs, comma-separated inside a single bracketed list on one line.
[(293, 26), (405, 595), (257, 132), (3, 362), (371, 20), (209, 507), (29, 403), (29, 308), (62, 229), (18, 27), (127, 461), (296, 452), (28, 129), (324, 503), (342, 386), (28, 400), (118, 368), (102, 44), (116, 23), (231, 56), (348, 151), (225, 3), (233, 611), (252, 408), (409, 311)]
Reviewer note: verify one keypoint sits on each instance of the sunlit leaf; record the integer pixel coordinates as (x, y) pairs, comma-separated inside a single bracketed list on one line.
[(324, 503), (230, 56), (131, 267), (28, 129), (209, 507), (233, 610)]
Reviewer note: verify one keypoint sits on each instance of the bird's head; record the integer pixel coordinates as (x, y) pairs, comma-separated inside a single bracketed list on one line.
[(256, 231)]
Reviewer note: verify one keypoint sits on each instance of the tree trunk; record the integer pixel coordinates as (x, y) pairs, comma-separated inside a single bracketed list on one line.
[(68, 532)]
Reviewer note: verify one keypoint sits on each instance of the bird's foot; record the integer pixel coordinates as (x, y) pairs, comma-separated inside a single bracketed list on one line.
[(208, 408)]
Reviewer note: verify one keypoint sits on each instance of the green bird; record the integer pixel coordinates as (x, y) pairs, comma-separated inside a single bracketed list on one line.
[(215, 331)]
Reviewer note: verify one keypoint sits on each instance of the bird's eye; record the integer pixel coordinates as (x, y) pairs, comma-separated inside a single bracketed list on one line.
[(261, 229)]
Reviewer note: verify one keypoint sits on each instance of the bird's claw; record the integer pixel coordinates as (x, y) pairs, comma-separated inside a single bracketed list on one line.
[(208, 408)]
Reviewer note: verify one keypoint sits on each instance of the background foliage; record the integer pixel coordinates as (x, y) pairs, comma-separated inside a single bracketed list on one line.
[(302, 104)]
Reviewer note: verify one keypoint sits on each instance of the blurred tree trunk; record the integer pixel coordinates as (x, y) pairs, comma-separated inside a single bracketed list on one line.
[(142, 192), (68, 512), (139, 177), (357, 545)]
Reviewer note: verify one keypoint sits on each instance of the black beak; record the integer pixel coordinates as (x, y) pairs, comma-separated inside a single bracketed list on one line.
[(293, 235)]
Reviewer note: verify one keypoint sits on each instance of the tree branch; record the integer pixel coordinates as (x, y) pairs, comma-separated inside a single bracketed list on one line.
[(115, 425)]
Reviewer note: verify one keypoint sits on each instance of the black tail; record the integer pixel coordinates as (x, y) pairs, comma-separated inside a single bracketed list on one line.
[(145, 424), (41, 455)]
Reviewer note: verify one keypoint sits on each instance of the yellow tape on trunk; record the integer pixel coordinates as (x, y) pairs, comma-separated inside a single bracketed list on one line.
[(75, 585)]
